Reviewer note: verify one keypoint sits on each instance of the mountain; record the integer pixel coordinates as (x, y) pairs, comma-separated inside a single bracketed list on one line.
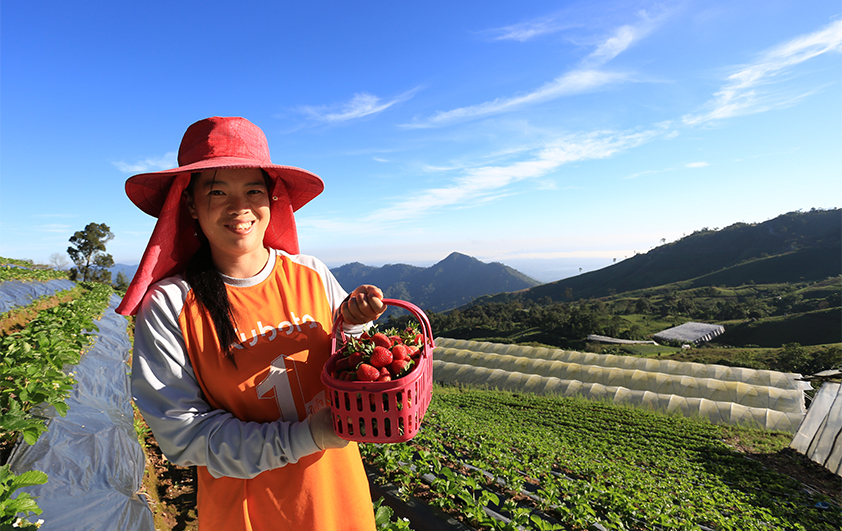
[(455, 281), (793, 247)]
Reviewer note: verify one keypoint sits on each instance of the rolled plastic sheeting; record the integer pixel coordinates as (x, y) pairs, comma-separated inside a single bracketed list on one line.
[(697, 370), (745, 394), (92, 456), (719, 412), (820, 435), (14, 293)]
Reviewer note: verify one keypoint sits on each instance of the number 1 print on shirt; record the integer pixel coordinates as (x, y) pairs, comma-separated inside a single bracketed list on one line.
[(278, 380)]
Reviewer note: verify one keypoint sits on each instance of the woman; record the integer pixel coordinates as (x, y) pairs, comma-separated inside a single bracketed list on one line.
[(232, 331)]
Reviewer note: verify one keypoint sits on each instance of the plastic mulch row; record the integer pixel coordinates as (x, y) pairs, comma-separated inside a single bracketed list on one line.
[(92, 456)]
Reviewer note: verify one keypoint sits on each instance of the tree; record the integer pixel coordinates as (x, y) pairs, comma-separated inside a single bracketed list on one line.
[(58, 261), (122, 282), (794, 358), (88, 253)]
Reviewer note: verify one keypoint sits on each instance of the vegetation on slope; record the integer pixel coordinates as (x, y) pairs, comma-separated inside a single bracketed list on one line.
[(793, 247)]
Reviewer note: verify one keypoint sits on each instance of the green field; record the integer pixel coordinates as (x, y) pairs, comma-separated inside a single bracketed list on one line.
[(562, 463)]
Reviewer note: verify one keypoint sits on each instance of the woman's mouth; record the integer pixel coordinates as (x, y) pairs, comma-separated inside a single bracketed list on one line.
[(241, 228)]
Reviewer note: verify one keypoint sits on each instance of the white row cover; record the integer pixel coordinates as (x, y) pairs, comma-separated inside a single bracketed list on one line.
[(756, 396), (16, 293), (92, 457), (820, 435), (682, 368), (717, 412)]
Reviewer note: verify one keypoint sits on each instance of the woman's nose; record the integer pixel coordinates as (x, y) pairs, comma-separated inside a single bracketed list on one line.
[(237, 203)]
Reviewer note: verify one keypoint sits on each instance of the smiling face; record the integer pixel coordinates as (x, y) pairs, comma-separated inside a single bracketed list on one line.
[(232, 208)]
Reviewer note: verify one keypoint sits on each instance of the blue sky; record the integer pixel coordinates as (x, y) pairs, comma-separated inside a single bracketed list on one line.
[(549, 136)]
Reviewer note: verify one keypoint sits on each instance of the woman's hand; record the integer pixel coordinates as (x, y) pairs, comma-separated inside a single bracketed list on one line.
[(321, 428), (364, 304)]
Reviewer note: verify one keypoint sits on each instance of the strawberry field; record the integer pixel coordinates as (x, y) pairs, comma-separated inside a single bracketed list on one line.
[(495, 460), (483, 459), (68, 451)]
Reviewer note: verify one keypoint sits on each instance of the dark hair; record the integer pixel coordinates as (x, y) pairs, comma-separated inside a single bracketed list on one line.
[(209, 289)]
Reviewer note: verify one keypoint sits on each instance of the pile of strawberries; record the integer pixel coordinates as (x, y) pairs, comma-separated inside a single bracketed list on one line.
[(379, 356)]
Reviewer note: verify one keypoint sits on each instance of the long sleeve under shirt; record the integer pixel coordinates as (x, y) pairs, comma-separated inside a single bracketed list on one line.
[(245, 426)]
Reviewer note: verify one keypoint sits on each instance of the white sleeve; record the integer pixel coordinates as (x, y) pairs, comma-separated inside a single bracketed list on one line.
[(188, 431), (336, 294)]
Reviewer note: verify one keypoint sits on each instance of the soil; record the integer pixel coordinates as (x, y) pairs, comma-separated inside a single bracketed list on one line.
[(170, 490)]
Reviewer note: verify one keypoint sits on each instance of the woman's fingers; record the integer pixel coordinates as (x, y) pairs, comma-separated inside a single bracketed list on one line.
[(364, 304)]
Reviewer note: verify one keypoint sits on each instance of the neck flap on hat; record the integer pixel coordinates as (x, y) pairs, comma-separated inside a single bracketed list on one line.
[(174, 242)]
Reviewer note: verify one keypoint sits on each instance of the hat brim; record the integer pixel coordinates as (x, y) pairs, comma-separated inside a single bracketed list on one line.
[(148, 191)]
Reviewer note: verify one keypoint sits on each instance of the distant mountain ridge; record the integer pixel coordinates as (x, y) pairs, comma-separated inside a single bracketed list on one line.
[(455, 281), (128, 270), (793, 247)]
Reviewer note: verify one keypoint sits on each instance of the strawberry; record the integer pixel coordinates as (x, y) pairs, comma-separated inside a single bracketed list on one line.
[(381, 340), (367, 373), (395, 339), (400, 368), (342, 364), (354, 360), (385, 378), (385, 371), (400, 352), (381, 356)]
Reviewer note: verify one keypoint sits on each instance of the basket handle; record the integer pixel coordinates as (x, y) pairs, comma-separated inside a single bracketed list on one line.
[(426, 329)]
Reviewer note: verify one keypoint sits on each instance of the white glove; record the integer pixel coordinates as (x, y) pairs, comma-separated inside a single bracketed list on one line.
[(321, 428)]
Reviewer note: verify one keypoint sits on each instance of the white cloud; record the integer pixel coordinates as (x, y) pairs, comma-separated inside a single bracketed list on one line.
[(617, 44), (575, 82), (645, 172), (586, 78), (359, 106), (746, 90), (476, 185), (169, 160), (528, 30), (697, 164), (52, 227)]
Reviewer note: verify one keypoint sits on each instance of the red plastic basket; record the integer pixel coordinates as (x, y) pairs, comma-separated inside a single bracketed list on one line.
[(382, 412)]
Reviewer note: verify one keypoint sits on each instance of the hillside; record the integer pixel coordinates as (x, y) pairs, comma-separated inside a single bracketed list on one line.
[(793, 247), (455, 281)]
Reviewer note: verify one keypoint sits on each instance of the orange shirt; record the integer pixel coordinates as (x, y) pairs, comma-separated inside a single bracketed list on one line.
[(284, 323)]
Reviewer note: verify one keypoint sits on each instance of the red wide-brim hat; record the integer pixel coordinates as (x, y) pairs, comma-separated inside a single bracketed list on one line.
[(211, 144)]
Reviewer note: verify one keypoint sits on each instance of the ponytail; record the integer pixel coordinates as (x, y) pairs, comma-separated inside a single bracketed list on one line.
[(209, 289)]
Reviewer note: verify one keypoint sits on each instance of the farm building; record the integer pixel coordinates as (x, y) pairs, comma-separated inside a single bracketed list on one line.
[(690, 333)]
